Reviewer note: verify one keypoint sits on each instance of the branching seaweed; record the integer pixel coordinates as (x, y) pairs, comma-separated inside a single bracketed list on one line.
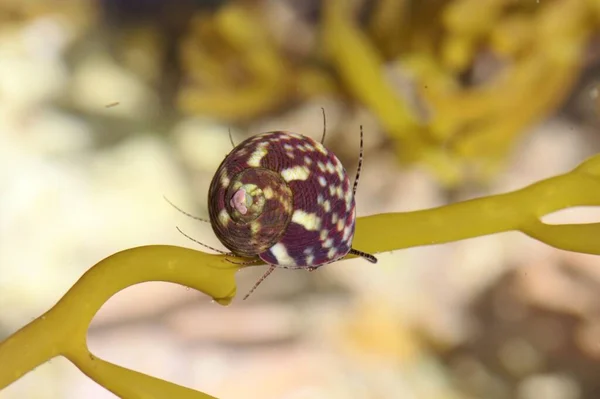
[(533, 53), (62, 330)]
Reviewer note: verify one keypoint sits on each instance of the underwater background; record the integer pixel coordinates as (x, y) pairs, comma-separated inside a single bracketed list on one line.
[(107, 105)]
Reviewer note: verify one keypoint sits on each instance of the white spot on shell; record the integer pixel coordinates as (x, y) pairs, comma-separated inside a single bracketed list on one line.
[(255, 227), (223, 217), (339, 170), (293, 135), (350, 237), (280, 253), (328, 243), (348, 197), (296, 173), (307, 160), (330, 168), (225, 180), (327, 206), (310, 259), (332, 253), (322, 181), (321, 166), (346, 233), (324, 234), (320, 148), (310, 221), (258, 154), (268, 192)]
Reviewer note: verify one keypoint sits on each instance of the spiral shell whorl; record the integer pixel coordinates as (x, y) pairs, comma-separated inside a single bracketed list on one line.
[(285, 198)]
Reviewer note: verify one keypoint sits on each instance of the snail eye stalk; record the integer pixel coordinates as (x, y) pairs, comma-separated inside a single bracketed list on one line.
[(360, 161), (324, 126)]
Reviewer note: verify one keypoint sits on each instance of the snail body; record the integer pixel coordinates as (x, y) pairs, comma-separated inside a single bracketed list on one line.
[(284, 198)]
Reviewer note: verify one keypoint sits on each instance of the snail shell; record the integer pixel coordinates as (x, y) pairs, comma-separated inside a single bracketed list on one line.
[(285, 198)]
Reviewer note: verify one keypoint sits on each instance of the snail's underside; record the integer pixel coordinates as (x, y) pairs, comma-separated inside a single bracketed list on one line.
[(284, 198)]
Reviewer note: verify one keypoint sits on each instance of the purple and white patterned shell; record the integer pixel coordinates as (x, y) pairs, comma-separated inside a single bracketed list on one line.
[(284, 198)]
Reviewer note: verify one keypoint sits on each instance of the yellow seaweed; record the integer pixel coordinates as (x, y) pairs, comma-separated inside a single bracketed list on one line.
[(62, 330), (361, 68), (537, 52), (518, 210), (237, 71), (539, 49), (239, 42), (543, 50), (353, 56)]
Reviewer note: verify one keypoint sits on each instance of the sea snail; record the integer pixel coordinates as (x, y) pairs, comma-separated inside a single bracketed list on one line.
[(286, 199)]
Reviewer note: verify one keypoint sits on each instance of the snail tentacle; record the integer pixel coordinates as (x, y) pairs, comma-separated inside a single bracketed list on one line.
[(184, 212), (360, 161), (251, 262), (264, 276), (364, 255), (204, 245)]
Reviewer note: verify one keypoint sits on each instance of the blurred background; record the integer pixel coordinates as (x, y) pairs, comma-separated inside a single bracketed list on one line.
[(107, 105)]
